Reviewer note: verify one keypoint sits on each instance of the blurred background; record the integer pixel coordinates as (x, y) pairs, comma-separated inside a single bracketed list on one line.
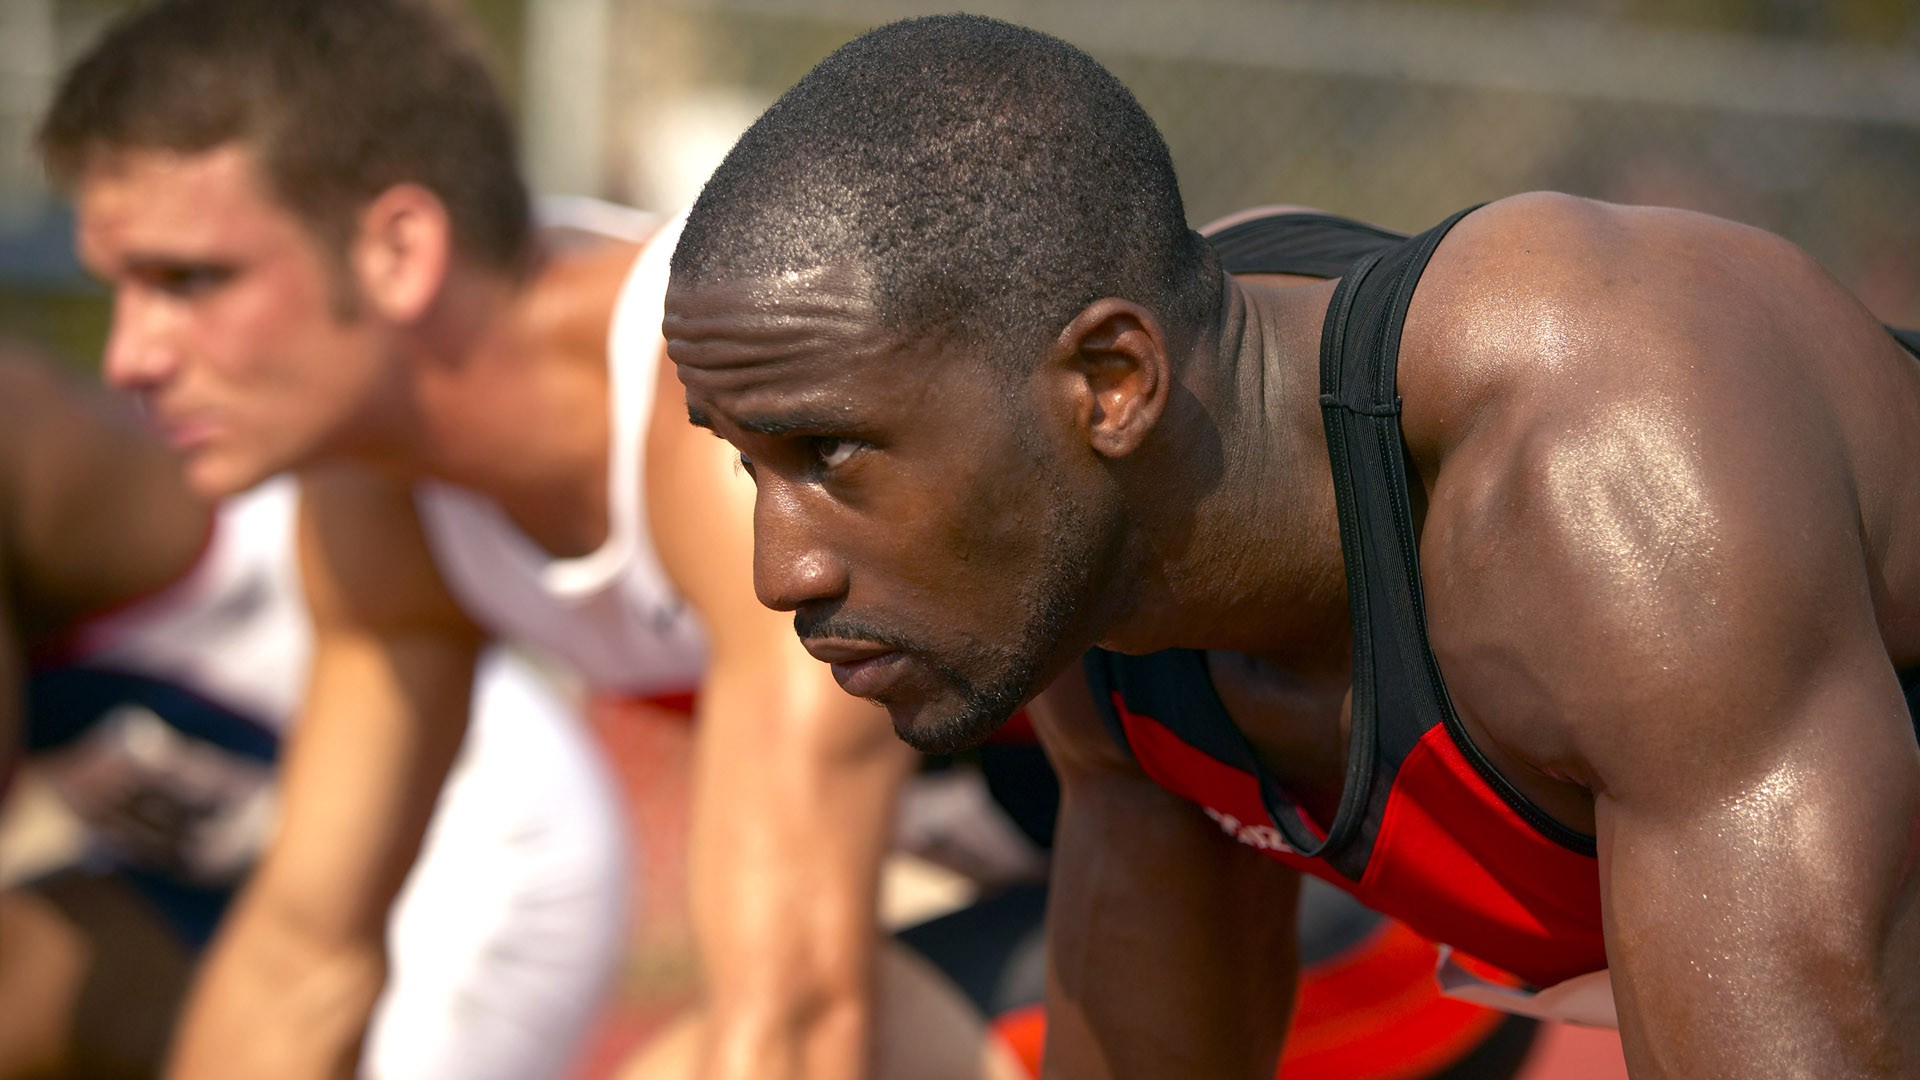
[(1801, 116)]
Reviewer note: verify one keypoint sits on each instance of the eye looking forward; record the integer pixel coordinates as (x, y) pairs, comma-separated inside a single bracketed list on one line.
[(832, 453)]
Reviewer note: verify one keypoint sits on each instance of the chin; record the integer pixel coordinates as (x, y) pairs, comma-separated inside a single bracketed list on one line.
[(212, 476), (933, 731)]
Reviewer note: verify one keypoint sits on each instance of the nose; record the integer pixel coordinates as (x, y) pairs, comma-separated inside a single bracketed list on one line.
[(791, 567), (137, 357)]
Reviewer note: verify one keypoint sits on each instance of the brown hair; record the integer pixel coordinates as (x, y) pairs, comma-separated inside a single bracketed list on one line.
[(340, 100)]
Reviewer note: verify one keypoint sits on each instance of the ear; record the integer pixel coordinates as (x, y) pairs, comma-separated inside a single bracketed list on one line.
[(402, 251), (1114, 358)]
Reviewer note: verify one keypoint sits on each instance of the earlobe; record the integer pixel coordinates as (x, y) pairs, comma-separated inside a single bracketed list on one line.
[(1115, 352), (402, 251)]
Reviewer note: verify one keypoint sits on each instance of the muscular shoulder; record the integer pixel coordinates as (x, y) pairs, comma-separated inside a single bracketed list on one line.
[(1640, 489), (1537, 294), (574, 307), (365, 558)]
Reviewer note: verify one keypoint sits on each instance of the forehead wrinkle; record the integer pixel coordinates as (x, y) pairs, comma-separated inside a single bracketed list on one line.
[(717, 343), (745, 322)]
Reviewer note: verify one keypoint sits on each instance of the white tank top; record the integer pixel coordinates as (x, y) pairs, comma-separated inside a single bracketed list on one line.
[(235, 628), (611, 614), (169, 712)]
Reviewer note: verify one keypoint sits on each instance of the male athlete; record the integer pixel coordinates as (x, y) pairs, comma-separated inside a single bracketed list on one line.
[(1545, 581), (164, 648), (321, 250)]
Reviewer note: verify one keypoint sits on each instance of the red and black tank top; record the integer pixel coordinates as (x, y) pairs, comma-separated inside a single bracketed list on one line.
[(1426, 830)]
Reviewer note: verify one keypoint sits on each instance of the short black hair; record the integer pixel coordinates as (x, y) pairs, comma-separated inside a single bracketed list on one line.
[(992, 179), (339, 100)]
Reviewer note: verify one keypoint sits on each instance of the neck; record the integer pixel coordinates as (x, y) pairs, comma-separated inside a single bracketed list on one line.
[(511, 385), (1250, 561)]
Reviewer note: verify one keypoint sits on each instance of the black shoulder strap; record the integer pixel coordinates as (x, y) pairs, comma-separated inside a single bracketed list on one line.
[(1307, 244), (1398, 694), (1102, 680), (1397, 697), (1910, 339)]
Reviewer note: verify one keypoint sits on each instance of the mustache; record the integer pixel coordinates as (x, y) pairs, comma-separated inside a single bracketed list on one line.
[(830, 623)]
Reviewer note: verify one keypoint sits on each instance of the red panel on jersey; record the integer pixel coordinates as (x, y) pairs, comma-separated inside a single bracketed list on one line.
[(1452, 859)]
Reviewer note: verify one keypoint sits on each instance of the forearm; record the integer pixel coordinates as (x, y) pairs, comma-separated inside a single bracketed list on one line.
[(1170, 952), (787, 936), (792, 816), (820, 1032), (1124, 1005), (300, 960), (272, 1000)]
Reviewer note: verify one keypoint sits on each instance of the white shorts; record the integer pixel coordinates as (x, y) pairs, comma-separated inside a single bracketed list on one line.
[(509, 931)]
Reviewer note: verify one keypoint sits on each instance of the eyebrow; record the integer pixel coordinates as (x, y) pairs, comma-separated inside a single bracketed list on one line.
[(144, 263), (773, 426)]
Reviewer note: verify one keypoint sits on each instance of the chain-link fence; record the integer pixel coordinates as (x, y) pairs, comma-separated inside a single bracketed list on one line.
[(1800, 116)]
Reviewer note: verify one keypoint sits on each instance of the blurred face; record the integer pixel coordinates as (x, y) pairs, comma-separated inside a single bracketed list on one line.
[(226, 320), (911, 510)]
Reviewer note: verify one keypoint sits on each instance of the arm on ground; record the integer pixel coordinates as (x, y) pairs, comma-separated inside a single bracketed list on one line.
[(1170, 948), (289, 984), (794, 790)]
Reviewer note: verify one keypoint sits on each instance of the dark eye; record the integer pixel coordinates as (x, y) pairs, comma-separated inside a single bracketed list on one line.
[(190, 281), (744, 464), (832, 453)]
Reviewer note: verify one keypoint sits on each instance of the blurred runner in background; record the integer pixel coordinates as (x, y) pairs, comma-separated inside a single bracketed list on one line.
[(165, 650), (322, 252)]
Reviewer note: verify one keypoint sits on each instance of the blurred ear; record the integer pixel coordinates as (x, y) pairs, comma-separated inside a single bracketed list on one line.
[(401, 253), (1113, 356)]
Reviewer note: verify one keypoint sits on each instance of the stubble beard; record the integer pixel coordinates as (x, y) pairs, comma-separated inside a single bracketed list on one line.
[(1015, 673)]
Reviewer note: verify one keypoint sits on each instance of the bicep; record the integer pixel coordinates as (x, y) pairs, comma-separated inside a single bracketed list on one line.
[(99, 510), (1758, 905), (1704, 657)]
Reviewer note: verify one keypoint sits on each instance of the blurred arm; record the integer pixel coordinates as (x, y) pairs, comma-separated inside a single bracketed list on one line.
[(94, 513), (1170, 949), (289, 984), (794, 790), (95, 510)]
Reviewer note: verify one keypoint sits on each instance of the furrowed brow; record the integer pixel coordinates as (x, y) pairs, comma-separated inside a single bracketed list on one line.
[(773, 426), (776, 426)]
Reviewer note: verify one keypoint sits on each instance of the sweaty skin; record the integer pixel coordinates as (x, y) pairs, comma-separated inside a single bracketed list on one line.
[(93, 515), (1671, 564), (228, 326)]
